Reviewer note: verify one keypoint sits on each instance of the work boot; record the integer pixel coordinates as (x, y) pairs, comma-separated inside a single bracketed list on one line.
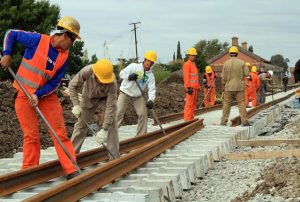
[(72, 175), (223, 124), (246, 124)]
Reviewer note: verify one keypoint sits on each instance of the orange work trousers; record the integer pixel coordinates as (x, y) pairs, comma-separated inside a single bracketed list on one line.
[(190, 105), (29, 123), (248, 94), (210, 98)]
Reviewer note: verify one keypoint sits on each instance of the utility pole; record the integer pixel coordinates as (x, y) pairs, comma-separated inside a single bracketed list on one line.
[(134, 29)]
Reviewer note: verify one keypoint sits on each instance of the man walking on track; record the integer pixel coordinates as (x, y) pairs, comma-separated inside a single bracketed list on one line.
[(209, 79), (233, 81), (191, 84), (43, 66), (130, 93), (98, 85)]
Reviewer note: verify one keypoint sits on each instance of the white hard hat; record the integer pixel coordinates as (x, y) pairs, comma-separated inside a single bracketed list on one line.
[(270, 72)]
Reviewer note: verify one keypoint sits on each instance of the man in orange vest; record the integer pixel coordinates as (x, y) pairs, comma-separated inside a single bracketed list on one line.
[(209, 79), (191, 84), (43, 66)]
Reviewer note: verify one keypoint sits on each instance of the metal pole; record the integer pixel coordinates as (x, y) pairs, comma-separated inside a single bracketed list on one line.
[(134, 29), (94, 133), (201, 103), (46, 122), (152, 110)]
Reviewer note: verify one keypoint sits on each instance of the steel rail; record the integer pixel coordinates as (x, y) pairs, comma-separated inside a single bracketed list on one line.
[(22, 179), (92, 180), (237, 120), (177, 116)]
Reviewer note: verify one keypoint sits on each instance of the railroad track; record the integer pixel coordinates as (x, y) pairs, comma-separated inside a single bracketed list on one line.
[(143, 149)]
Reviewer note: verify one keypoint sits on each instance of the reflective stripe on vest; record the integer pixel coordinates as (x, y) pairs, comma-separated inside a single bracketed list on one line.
[(32, 73)]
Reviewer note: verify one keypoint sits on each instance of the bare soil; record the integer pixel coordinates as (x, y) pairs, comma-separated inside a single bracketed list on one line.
[(170, 98)]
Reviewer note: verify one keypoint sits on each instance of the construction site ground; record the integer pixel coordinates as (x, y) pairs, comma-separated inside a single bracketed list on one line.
[(242, 180)]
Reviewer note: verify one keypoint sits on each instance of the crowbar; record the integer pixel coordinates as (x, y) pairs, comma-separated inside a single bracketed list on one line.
[(152, 110)]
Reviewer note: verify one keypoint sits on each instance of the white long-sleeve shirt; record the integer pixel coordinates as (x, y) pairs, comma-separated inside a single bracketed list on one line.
[(144, 78)]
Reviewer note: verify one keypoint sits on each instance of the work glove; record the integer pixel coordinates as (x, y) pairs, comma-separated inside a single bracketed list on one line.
[(190, 90), (133, 77), (149, 104), (77, 110), (101, 136)]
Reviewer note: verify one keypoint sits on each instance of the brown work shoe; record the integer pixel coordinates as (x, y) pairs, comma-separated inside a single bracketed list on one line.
[(72, 175), (223, 124), (246, 124)]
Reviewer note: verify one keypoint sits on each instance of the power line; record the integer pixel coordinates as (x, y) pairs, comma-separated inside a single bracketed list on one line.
[(134, 29)]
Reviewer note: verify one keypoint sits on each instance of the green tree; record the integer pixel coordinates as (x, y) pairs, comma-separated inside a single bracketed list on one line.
[(280, 61), (210, 48), (250, 48), (75, 58), (29, 15), (179, 56), (94, 59)]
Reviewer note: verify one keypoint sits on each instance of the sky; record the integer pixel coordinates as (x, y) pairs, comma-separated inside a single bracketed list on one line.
[(271, 27)]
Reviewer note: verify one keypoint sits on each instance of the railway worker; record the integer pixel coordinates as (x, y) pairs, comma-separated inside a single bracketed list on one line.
[(191, 84), (252, 87), (43, 66), (233, 81), (130, 93), (209, 79), (98, 86), (285, 81), (264, 79)]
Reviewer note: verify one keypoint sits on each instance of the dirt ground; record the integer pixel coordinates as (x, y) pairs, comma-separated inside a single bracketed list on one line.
[(169, 99)]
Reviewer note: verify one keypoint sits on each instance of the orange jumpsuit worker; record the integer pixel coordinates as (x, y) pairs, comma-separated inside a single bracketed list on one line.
[(209, 87), (43, 66), (252, 87), (191, 84)]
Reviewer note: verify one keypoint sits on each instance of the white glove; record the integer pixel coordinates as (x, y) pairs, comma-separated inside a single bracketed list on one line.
[(101, 136), (76, 110)]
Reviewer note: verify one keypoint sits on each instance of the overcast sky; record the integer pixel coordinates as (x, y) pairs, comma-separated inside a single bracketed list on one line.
[(271, 27)]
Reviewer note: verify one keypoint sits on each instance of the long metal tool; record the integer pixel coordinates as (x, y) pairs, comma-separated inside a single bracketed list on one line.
[(45, 121), (152, 111), (94, 133)]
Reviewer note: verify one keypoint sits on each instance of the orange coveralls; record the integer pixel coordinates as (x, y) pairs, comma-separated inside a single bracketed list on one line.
[(190, 79), (33, 74), (210, 98), (252, 86)]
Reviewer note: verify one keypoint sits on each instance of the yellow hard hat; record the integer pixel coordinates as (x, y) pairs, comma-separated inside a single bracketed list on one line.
[(248, 64), (192, 51), (70, 24), (208, 69), (103, 69), (233, 49), (254, 69), (151, 55)]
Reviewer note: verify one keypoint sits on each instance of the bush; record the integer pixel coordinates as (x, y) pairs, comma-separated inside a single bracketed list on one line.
[(160, 72)]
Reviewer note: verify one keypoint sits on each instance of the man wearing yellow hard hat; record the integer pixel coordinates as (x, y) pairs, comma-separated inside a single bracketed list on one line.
[(98, 86), (130, 94), (191, 84), (252, 87), (209, 79), (233, 80), (42, 68)]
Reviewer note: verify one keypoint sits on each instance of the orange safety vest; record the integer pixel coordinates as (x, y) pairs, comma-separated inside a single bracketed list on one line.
[(190, 75), (32, 73), (210, 80)]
